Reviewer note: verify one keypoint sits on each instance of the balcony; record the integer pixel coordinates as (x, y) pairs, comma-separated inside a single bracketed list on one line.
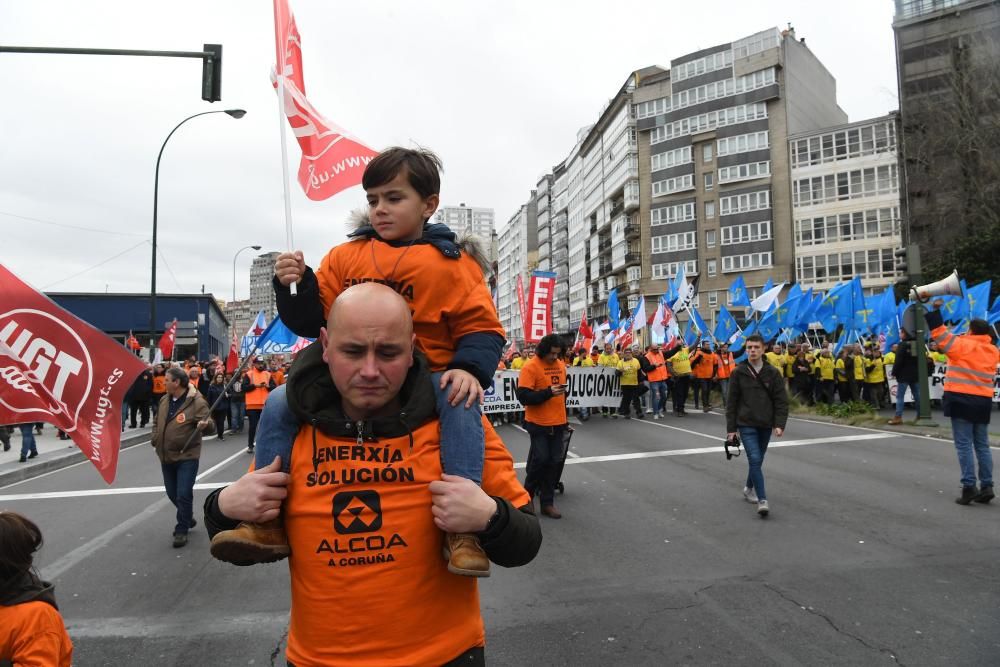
[(631, 196), (632, 258), (632, 230)]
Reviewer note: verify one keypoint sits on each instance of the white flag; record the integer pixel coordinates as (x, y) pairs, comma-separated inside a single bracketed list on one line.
[(767, 299)]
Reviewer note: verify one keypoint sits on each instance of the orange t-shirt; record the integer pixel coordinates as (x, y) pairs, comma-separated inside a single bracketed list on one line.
[(279, 377), (657, 374), (448, 297), (32, 634), (705, 369), (159, 384), (538, 375), (726, 365), (256, 396), (369, 585)]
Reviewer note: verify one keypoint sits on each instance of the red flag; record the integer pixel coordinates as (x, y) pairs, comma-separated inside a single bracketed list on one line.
[(540, 291), (331, 160), (522, 307), (132, 342), (167, 340), (233, 360), (57, 368)]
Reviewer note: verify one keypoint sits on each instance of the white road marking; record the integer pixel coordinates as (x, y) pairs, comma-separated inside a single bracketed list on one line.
[(569, 453), (72, 465), (90, 493), (208, 472)]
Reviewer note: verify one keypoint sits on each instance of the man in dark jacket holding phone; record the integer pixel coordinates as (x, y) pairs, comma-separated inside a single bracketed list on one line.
[(757, 405)]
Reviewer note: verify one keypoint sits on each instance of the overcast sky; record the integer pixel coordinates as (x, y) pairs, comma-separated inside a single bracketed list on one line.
[(497, 89)]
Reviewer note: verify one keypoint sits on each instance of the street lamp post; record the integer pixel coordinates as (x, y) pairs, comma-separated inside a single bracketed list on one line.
[(255, 247), (235, 113)]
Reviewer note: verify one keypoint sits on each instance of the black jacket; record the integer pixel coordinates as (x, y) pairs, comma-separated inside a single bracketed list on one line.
[(213, 394), (477, 353), (142, 388), (513, 540), (760, 402)]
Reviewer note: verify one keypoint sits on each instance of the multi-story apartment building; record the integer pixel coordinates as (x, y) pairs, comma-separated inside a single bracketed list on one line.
[(845, 203), (517, 255), (553, 240), (719, 189), (261, 291), (467, 220), (947, 55), (240, 314)]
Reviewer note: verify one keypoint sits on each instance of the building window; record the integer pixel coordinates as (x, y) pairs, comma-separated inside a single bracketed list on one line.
[(752, 231), (710, 120), (743, 172), (845, 185), (709, 210), (667, 215), (876, 264), (854, 226), (674, 242), (670, 158), (711, 268), (709, 181), (743, 143), (669, 269), (710, 238), (843, 145), (756, 260), (671, 185), (706, 153), (713, 297), (751, 201)]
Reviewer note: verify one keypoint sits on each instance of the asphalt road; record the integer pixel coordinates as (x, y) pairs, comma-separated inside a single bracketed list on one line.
[(864, 560)]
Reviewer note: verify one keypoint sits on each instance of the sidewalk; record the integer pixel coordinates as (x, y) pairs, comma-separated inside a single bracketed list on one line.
[(53, 453), (879, 422)]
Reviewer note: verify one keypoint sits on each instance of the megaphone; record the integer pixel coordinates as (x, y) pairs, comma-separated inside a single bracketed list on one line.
[(949, 286)]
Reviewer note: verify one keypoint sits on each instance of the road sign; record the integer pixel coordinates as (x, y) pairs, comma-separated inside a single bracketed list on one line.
[(186, 341)]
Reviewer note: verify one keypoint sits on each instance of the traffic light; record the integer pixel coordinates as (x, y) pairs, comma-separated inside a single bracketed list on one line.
[(211, 73), (901, 266)]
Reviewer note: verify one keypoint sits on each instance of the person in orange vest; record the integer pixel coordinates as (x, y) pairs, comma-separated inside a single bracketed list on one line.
[(968, 400), (724, 371), (389, 499), (655, 367), (703, 368), (31, 630), (259, 385), (159, 387)]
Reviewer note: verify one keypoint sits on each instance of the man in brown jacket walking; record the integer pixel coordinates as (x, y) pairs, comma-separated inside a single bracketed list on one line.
[(178, 424)]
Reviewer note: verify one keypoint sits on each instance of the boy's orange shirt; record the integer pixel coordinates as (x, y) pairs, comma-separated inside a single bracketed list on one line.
[(33, 633), (448, 298), (704, 369), (538, 375), (369, 584)]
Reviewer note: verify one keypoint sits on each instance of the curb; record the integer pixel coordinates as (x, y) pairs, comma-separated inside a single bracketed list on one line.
[(942, 433), (49, 464)]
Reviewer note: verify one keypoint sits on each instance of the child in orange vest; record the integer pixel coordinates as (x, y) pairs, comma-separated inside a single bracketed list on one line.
[(455, 323)]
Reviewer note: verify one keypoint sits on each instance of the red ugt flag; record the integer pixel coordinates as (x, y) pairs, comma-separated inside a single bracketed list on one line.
[(233, 360), (57, 368), (166, 344), (331, 160)]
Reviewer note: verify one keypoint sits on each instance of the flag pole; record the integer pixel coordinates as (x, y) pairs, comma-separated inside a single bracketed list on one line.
[(289, 241)]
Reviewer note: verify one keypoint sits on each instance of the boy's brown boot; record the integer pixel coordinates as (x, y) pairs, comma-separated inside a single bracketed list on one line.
[(465, 555), (252, 543)]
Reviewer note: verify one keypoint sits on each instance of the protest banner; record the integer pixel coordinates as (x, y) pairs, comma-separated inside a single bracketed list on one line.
[(586, 388)]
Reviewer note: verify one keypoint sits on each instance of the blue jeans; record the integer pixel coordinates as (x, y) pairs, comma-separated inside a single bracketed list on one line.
[(178, 478), (657, 396), (901, 396), (27, 439), (463, 442), (724, 390), (755, 443), (237, 414), (971, 438)]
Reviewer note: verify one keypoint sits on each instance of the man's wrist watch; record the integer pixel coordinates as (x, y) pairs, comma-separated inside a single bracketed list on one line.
[(493, 519)]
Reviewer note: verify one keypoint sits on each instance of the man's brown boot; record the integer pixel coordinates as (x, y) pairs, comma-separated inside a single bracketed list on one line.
[(895, 421), (252, 543), (465, 555)]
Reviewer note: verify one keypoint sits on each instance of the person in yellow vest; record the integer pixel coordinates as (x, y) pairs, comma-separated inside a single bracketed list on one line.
[(776, 357), (609, 359), (680, 370), (842, 376), (628, 371), (824, 369), (968, 399), (855, 364), (937, 355), (353, 378), (889, 358), (874, 378), (516, 362), (791, 355)]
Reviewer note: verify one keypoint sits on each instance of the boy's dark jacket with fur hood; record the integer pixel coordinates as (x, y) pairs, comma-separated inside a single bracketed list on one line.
[(477, 353)]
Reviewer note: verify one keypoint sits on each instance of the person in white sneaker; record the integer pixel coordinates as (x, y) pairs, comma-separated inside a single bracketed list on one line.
[(757, 405)]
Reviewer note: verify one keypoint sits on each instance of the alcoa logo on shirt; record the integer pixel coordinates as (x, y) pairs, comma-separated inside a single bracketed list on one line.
[(59, 362), (356, 513)]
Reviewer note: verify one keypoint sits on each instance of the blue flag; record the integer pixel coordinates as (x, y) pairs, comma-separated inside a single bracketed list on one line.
[(891, 336), (738, 293), (699, 323), (726, 327), (690, 337), (768, 327), (978, 296), (614, 310), (786, 315), (278, 339), (993, 316)]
